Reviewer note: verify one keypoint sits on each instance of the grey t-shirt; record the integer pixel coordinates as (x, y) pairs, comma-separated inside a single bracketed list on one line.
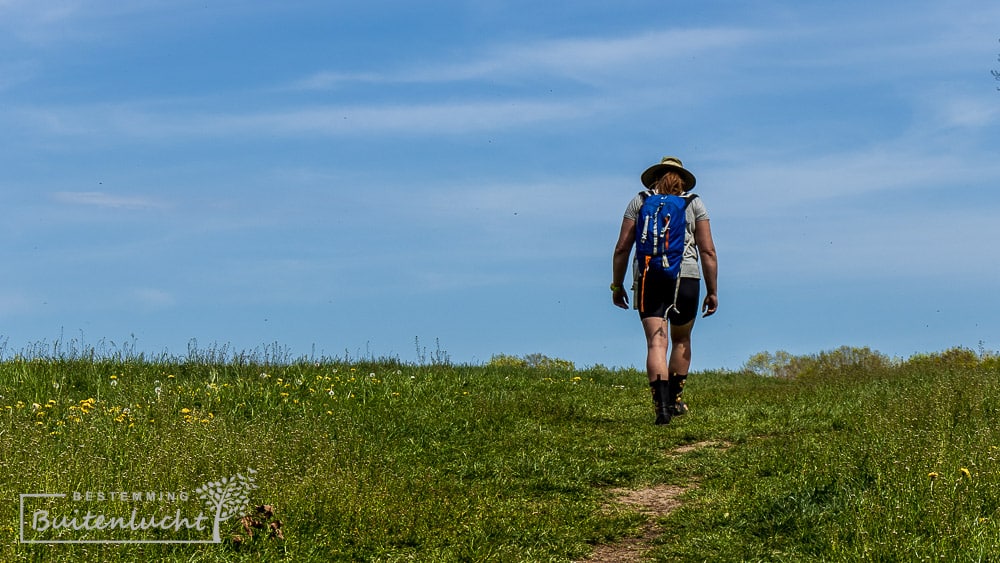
[(695, 212)]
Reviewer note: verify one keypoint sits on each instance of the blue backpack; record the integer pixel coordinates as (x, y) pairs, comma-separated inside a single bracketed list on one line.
[(660, 229)]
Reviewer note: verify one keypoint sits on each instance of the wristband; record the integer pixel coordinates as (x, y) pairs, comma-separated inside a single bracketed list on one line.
[(616, 288)]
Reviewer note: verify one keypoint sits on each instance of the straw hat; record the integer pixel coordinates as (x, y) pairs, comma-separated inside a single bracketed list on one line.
[(653, 173)]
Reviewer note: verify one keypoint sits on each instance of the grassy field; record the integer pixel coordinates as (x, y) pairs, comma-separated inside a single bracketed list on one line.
[(842, 456)]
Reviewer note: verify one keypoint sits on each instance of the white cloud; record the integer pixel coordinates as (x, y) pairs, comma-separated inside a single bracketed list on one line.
[(151, 298), (582, 59), (113, 122), (103, 199), (12, 303), (970, 112)]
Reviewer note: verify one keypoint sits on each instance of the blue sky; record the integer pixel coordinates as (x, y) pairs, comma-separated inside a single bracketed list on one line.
[(351, 177)]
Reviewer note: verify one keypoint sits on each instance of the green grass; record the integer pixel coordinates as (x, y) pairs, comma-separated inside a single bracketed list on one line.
[(385, 461)]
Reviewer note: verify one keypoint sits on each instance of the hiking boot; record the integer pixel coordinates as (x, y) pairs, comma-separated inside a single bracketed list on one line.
[(660, 391), (663, 415), (675, 387), (679, 408)]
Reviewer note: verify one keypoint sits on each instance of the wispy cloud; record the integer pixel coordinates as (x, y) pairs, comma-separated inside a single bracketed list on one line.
[(151, 298), (106, 200), (582, 59), (114, 122)]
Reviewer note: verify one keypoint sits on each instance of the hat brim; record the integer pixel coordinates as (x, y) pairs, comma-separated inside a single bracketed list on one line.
[(654, 172)]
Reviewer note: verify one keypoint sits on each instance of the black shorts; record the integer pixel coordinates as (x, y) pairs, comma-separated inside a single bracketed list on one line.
[(655, 297)]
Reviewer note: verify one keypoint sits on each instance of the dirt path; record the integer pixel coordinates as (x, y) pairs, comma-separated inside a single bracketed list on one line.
[(653, 503)]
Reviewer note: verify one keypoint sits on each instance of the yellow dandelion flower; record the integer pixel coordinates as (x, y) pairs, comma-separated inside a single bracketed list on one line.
[(965, 472), (933, 475), (185, 410)]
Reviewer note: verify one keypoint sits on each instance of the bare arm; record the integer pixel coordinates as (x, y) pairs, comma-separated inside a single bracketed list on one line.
[(619, 263), (709, 265)]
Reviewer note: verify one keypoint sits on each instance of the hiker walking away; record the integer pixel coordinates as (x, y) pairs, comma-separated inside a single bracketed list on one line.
[(669, 228)]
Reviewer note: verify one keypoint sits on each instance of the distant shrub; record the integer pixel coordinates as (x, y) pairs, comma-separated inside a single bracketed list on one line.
[(778, 364), (782, 364), (506, 361), (539, 361), (954, 358)]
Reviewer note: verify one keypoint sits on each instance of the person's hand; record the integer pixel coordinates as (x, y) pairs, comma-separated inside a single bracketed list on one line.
[(620, 297), (709, 306)]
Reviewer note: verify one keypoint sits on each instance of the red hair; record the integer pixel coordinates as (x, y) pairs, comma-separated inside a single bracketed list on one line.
[(670, 183)]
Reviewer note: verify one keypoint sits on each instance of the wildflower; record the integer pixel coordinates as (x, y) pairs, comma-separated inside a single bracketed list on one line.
[(185, 410), (933, 475), (284, 394), (965, 472)]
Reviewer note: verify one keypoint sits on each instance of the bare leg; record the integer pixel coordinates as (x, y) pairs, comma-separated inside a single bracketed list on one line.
[(657, 344), (680, 356)]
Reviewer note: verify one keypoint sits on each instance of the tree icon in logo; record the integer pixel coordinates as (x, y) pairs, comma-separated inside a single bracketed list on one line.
[(227, 498)]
